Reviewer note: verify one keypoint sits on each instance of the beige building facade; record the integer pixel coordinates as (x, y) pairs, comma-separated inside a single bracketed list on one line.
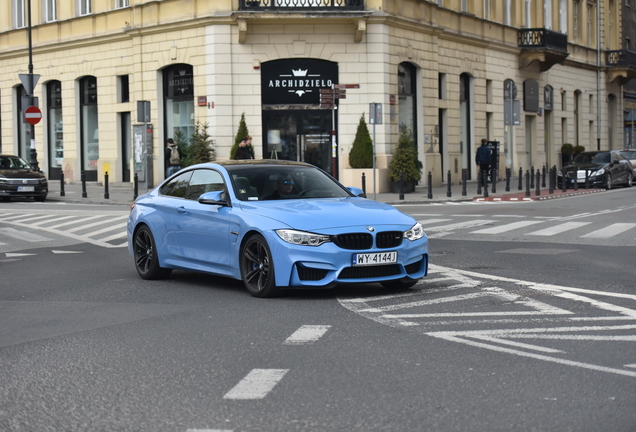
[(528, 74)]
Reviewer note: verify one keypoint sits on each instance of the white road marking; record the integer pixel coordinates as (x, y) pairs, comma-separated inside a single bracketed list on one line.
[(16, 254), (10, 216), (51, 220), (257, 384), (610, 231), (35, 218), (23, 235), (66, 252), (631, 365), (460, 225), (307, 334), (505, 228), (121, 227), (517, 344), (209, 430), (76, 221), (432, 221), (90, 225), (558, 229)]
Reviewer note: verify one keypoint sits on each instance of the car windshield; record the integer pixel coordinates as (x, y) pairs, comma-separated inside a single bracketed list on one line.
[(13, 162), (592, 157), (270, 182)]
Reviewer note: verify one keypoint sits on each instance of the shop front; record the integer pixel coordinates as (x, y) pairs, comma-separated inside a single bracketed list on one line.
[(295, 127)]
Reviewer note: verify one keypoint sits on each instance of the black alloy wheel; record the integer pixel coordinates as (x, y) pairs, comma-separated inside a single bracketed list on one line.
[(608, 181), (630, 180), (257, 267), (145, 255)]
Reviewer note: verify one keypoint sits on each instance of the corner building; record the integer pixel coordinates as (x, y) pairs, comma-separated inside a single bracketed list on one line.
[(529, 74)]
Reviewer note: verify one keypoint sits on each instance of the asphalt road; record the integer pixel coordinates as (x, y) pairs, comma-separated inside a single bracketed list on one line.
[(510, 331)]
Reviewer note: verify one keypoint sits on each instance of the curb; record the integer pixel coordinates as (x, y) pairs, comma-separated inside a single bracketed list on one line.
[(540, 197)]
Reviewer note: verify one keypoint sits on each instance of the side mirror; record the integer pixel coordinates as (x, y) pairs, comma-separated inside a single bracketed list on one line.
[(357, 191), (213, 198)]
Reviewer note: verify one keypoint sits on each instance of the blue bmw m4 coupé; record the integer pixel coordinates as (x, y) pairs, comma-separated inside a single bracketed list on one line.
[(274, 225)]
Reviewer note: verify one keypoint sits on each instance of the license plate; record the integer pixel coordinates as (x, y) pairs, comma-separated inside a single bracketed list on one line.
[(380, 258), (26, 188)]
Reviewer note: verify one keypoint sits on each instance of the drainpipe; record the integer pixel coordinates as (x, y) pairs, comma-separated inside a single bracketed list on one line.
[(598, 75)]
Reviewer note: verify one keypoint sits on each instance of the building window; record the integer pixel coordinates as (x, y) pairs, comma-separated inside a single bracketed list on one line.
[(178, 93), (563, 16), (440, 3), (487, 9), (547, 14), (406, 99), (528, 13), (464, 6), (55, 129), (576, 21), (24, 131), (89, 127), (123, 87), (84, 7), (507, 12), (18, 14), (121, 4), (441, 84), (49, 9), (489, 97)]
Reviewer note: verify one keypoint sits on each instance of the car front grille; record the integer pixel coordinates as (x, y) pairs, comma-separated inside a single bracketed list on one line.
[(356, 241), (414, 267), (21, 182), (370, 272), (311, 274), (389, 239)]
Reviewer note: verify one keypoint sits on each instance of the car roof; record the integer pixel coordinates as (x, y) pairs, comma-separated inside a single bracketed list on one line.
[(259, 162)]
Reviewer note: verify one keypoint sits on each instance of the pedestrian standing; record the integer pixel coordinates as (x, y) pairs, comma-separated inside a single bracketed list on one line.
[(483, 158), (243, 150), (172, 157)]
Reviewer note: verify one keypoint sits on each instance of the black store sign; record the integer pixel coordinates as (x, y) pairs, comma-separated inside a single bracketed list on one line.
[(180, 82), (296, 81)]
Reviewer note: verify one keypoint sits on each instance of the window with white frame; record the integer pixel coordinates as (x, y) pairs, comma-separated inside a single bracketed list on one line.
[(507, 13), (547, 14), (49, 8), (528, 13), (487, 9), (464, 5), (563, 16), (84, 7), (440, 3), (18, 14), (122, 3)]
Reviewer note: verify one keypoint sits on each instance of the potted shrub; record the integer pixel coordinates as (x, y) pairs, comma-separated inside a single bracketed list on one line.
[(567, 150), (577, 149), (361, 153), (405, 164)]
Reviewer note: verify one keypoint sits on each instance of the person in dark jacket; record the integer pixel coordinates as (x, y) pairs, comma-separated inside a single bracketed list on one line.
[(243, 150), (483, 157), (173, 162)]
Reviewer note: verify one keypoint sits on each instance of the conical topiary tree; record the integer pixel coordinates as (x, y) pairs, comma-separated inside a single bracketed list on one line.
[(405, 158), (361, 153), (240, 134), (200, 148)]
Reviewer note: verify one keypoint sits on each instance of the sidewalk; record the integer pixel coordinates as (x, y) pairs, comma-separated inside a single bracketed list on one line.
[(122, 193)]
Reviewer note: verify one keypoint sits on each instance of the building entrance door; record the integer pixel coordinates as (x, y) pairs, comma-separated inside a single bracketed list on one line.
[(299, 135)]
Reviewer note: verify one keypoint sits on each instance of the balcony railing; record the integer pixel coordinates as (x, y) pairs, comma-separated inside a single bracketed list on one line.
[(543, 38), (620, 58), (300, 5)]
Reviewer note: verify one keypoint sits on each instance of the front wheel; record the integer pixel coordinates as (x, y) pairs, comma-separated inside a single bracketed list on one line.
[(146, 256), (630, 180), (257, 267), (608, 181)]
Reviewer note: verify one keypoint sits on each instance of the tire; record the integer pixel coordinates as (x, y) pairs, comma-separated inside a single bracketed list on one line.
[(145, 255), (399, 284), (257, 267), (608, 181), (630, 180)]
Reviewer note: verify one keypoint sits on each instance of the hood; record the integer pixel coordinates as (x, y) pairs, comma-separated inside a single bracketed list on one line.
[(19, 173), (319, 214), (582, 166)]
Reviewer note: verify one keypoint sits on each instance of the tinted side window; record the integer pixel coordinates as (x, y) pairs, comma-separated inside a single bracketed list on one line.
[(202, 181), (177, 187)]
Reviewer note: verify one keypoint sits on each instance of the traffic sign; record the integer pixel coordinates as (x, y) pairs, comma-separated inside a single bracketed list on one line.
[(33, 115)]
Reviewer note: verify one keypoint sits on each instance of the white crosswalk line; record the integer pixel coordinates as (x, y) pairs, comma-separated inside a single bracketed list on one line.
[(307, 334), (459, 225), (101, 222), (51, 220), (610, 231), (107, 229), (11, 216), (507, 227), (76, 221), (558, 229), (121, 234), (23, 235), (35, 218), (257, 384), (432, 221)]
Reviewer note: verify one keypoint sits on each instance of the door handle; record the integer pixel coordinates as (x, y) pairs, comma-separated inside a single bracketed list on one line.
[(181, 209)]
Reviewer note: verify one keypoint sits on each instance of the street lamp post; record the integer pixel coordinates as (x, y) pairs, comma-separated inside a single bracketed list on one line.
[(34, 155)]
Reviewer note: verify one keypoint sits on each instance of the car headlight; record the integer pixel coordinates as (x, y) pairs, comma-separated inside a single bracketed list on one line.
[(302, 238), (598, 173), (415, 233), (4, 180)]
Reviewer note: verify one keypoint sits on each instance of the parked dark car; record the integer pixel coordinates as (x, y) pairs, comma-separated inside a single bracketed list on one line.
[(19, 179), (602, 169), (630, 155)]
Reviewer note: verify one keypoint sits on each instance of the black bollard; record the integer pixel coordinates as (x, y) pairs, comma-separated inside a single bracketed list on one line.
[(494, 180), (551, 180), (508, 172), (83, 178), (106, 194), (543, 176), (485, 181), (587, 179), (531, 177), (448, 191), (62, 193), (364, 184), (430, 185), (575, 185), (402, 185), (136, 186), (520, 178), (564, 181), (527, 183), (464, 175), (538, 190), (479, 180)]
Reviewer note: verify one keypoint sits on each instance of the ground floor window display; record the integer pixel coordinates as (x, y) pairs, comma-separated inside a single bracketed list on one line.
[(178, 85), (55, 133), (89, 127)]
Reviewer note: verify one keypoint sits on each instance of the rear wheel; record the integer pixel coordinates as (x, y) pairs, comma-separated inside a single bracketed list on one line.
[(146, 257), (608, 181), (257, 267), (630, 180)]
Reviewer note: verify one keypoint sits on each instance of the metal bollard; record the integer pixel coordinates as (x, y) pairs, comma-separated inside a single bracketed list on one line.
[(551, 180), (448, 191), (464, 175), (564, 182), (136, 186), (106, 194), (485, 181), (83, 178), (62, 193), (364, 184), (508, 173), (538, 190), (494, 180), (543, 176), (531, 177), (527, 183), (430, 185), (402, 185), (479, 180), (587, 179), (520, 178), (575, 185)]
